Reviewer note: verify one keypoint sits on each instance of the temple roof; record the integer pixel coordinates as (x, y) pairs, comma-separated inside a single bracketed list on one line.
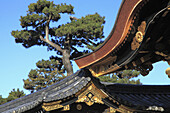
[(139, 38), (57, 91), (132, 97), (141, 97)]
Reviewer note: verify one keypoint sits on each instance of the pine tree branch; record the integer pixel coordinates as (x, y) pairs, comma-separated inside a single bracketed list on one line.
[(40, 23), (73, 18), (47, 39), (54, 45), (75, 54), (41, 37), (74, 49), (91, 42), (86, 42), (51, 43)]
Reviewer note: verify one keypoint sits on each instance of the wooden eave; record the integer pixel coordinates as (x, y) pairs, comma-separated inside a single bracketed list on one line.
[(116, 37), (138, 25)]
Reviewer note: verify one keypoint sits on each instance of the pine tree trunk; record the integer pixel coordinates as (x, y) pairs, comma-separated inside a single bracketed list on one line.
[(67, 63)]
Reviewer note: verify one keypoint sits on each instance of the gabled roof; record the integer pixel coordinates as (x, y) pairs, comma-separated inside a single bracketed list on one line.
[(151, 25), (77, 87)]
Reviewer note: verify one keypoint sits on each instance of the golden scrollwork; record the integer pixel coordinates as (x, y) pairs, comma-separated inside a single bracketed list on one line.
[(91, 95), (54, 105), (138, 36), (112, 110)]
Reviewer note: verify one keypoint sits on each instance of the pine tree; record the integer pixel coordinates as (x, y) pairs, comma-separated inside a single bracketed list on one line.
[(14, 94), (122, 77), (66, 39), (46, 74), (2, 100)]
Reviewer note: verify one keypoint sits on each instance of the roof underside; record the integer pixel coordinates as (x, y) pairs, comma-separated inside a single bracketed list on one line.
[(142, 40), (151, 15)]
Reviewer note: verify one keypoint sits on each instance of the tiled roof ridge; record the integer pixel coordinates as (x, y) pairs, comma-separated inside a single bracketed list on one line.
[(78, 80)]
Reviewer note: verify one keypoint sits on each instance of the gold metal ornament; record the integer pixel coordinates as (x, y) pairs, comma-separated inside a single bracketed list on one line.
[(112, 110), (138, 36), (79, 107), (54, 105), (66, 108), (168, 72), (91, 95)]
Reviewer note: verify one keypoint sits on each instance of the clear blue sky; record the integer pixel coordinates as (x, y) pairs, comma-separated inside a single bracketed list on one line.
[(16, 61)]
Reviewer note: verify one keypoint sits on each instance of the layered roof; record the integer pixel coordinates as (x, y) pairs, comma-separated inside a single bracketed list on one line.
[(140, 98), (57, 91), (139, 38)]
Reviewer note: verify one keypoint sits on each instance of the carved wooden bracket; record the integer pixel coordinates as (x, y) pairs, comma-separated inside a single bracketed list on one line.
[(104, 67)]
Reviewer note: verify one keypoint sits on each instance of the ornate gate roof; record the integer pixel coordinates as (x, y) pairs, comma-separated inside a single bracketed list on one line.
[(139, 38), (82, 88)]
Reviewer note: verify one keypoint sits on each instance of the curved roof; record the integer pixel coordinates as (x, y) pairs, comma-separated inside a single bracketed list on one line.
[(57, 91), (138, 98), (139, 38), (134, 97), (116, 37)]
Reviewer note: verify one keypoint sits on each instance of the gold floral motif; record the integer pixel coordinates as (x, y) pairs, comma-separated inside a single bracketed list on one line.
[(134, 45), (112, 110), (139, 36), (89, 99), (91, 95)]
